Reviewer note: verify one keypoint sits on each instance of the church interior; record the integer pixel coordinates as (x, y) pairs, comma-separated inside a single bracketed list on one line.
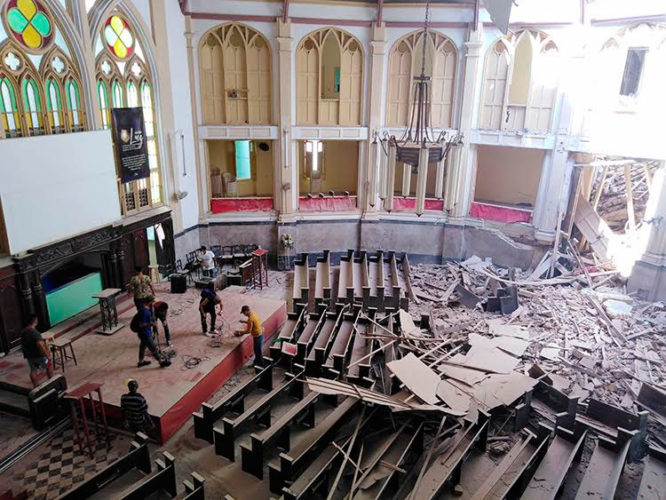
[(365, 249)]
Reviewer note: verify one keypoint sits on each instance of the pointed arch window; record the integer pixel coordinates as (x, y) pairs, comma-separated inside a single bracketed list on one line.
[(329, 76), (520, 83), (54, 106), (32, 106), (74, 105), (117, 94), (9, 109), (132, 95), (104, 108), (235, 65)]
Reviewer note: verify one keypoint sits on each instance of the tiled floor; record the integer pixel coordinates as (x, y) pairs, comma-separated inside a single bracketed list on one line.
[(56, 466)]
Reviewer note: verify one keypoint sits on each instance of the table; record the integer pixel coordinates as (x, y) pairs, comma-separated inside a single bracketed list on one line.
[(78, 395), (107, 306), (260, 268)]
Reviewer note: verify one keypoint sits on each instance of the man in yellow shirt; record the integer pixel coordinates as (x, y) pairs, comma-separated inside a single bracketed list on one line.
[(256, 330)]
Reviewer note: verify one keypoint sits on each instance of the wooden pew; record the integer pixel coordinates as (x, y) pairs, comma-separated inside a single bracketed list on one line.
[(546, 400), (566, 447), (297, 459), (301, 291), (163, 480), (359, 368), (194, 489), (509, 477), (408, 442), (346, 279), (314, 479), (138, 457), (204, 421), (309, 335), (398, 295), (259, 412), (341, 347), (323, 278), (605, 467), (439, 472), (654, 472), (360, 275), (323, 343), (278, 434), (290, 331), (406, 272)]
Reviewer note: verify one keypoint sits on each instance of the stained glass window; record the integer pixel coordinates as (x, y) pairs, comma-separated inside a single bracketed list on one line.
[(117, 94), (132, 95), (103, 97), (54, 106), (9, 109), (74, 105), (32, 107), (118, 37), (29, 23)]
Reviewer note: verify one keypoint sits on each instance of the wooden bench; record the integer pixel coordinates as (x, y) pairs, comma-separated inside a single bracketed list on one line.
[(323, 343), (654, 472), (259, 412), (308, 336), (278, 434), (290, 331), (194, 488), (290, 464), (441, 471), (565, 448), (605, 466), (301, 290), (346, 279), (358, 367), (138, 457), (323, 278), (341, 347), (164, 479), (205, 420)]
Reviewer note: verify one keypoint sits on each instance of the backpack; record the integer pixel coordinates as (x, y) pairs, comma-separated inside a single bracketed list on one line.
[(134, 324)]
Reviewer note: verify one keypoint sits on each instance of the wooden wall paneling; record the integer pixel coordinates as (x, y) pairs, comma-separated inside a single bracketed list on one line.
[(11, 318)]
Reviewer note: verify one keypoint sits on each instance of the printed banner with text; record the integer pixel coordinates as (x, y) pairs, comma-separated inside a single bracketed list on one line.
[(130, 138)]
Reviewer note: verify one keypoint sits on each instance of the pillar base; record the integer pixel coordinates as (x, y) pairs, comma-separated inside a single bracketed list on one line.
[(544, 236), (648, 281)]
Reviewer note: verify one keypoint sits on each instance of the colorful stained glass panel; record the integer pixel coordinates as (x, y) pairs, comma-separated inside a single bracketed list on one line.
[(118, 37), (29, 23)]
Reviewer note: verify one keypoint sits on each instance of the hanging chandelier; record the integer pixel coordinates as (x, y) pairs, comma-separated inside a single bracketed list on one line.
[(418, 146)]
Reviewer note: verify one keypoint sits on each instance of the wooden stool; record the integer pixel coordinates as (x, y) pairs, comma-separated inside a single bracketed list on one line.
[(59, 350), (80, 394)]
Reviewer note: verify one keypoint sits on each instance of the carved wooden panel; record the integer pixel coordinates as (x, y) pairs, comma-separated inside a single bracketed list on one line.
[(307, 84), (11, 321)]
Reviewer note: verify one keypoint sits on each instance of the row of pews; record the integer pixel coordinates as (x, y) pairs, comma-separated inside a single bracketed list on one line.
[(378, 280), (131, 477)]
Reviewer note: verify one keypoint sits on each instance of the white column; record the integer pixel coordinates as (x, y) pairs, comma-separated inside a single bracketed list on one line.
[(376, 89), (552, 196), (406, 179), (439, 176), (390, 179), (421, 181), (287, 197), (461, 179)]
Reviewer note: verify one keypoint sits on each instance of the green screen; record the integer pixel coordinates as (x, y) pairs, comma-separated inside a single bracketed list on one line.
[(72, 298)]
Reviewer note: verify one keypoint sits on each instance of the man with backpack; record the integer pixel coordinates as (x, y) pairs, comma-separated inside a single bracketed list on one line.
[(142, 324), (209, 300)]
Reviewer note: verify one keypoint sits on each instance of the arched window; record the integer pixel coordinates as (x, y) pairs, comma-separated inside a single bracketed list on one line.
[(54, 106), (235, 63), (74, 105), (11, 123), (329, 79), (34, 51), (32, 106), (405, 63), (520, 83), (123, 79)]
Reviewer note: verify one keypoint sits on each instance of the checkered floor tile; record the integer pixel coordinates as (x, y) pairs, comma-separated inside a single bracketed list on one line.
[(61, 464)]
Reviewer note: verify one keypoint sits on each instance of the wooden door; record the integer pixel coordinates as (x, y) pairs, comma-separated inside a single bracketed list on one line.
[(11, 321)]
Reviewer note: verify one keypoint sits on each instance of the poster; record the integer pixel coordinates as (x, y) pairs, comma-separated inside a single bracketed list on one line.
[(129, 134)]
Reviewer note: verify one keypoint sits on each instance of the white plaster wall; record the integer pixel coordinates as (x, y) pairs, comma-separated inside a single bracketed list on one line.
[(182, 110), (143, 6)]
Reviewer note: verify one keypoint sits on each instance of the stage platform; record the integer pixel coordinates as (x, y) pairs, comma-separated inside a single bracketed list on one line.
[(173, 393)]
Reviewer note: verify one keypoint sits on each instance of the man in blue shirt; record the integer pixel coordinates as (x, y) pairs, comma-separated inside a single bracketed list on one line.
[(145, 333)]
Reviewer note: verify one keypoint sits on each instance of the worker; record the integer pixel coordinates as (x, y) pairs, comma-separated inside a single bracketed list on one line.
[(254, 328)]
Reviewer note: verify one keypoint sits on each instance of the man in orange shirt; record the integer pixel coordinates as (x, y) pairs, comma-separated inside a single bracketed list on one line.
[(256, 330)]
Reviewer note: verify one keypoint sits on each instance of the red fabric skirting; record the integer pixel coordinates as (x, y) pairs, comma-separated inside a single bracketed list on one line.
[(409, 204), (499, 214), (221, 205), (327, 204)]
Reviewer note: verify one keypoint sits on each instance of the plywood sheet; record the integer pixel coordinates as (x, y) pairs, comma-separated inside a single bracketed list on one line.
[(462, 374), (497, 328), (454, 398), (503, 389), (417, 377)]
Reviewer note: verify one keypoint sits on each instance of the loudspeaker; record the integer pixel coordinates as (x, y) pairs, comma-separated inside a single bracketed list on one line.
[(178, 283)]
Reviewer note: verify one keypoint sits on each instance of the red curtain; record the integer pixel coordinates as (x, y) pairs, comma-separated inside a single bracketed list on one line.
[(222, 205), (499, 214)]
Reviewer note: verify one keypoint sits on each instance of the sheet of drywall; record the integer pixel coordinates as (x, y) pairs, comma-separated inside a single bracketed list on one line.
[(508, 175), (57, 186)]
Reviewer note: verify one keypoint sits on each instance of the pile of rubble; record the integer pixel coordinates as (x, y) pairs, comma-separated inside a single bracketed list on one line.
[(582, 330)]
